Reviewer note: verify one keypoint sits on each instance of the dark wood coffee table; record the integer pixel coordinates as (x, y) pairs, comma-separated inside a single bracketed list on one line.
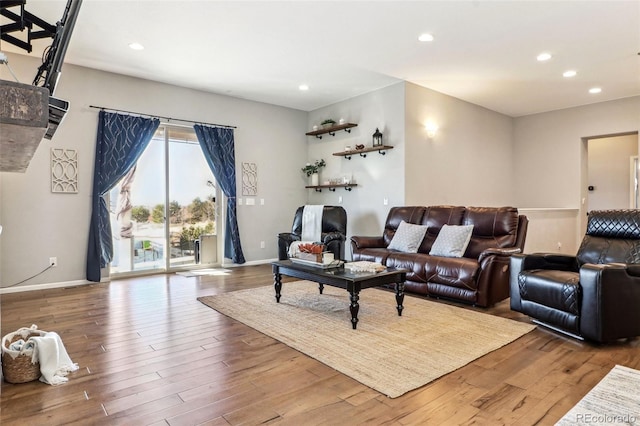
[(343, 278)]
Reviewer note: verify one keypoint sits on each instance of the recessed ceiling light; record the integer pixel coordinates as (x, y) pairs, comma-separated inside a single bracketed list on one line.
[(136, 46), (303, 87), (569, 73), (425, 37), (595, 90), (543, 57)]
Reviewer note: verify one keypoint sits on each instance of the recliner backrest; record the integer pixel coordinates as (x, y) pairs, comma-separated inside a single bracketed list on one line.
[(334, 219), (493, 227), (613, 236), (410, 214), (434, 218)]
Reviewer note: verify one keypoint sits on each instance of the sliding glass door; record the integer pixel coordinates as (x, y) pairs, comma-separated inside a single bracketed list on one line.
[(164, 213)]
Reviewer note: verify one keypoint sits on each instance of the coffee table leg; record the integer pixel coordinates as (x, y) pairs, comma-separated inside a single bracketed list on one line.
[(320, 287), (277, 284), (400, 297), (354, 308)]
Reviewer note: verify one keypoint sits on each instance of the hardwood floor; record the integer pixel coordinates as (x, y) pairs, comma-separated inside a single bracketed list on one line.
[(150, 353)]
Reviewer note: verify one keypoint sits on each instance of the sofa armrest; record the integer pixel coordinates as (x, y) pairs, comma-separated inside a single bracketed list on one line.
[(367, 242), (284, 241), (503, 252), (610, 300), (556, 261), (333, 236), (288, 237), (523, 262)]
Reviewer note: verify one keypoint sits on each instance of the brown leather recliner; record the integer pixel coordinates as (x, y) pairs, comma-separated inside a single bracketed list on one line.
[(334, 232), (594, 295)]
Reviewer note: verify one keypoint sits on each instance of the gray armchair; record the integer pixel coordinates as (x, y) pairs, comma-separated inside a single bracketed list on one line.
[(594, 295)]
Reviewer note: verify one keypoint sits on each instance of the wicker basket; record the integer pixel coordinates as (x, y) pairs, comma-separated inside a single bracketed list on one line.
[(16, 365)]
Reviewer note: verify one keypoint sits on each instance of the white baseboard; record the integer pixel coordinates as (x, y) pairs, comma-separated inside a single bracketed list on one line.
[(251, 263), (75, 283), (46, 286)]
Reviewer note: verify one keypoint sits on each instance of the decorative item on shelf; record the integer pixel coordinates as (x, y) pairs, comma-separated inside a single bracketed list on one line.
[(313, 169), (377, 138), (315, 127), (341, 121), (328, 123), (360, 146)]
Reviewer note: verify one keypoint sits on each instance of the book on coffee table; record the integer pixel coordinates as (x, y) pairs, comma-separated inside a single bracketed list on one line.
[(364, 266)]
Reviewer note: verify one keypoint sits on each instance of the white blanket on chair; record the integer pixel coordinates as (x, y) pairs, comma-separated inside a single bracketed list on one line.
[(54, 361), (312, 223), (311, 228)]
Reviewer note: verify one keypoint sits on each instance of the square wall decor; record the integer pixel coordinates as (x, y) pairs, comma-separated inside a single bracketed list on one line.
[(64, 170)]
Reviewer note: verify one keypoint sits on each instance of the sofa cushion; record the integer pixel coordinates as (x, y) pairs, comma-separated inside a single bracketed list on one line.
[(556, 289), (452, 241), (407, 237), (453, 271), (413, 262)]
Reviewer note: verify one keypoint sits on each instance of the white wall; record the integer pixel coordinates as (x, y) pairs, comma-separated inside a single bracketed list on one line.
[(609, 169), (550, 154), (551, 231), (478, 157), (38, 224), (468, 162), (378, 176)]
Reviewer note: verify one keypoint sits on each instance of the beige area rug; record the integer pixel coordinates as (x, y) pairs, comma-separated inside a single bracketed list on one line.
[(614, 400), (388, 353)]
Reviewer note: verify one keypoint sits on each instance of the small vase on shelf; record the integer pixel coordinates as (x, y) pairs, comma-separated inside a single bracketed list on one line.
[(314, 179)]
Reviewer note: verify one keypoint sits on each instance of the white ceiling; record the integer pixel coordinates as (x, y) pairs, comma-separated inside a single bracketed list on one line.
[(484, 52)]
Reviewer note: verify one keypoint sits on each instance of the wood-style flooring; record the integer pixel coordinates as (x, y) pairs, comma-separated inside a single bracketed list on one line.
[(151, 354)]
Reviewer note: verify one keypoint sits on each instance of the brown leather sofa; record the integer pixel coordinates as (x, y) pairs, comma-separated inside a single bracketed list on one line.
[(593, 295), (480, 277)]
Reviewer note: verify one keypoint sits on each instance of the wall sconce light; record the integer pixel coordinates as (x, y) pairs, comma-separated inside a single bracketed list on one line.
[(432, 129)]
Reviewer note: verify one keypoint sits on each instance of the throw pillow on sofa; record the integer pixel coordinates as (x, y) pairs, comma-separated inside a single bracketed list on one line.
[(407, 237), (452, 241)]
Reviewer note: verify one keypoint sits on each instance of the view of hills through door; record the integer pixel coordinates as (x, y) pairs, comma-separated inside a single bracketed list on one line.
[(171, 176)]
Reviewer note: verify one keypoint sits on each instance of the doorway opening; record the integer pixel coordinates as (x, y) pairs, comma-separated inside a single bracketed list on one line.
[(611, 172)]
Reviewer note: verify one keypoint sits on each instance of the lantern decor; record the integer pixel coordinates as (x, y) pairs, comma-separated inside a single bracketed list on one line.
[(377, 138)]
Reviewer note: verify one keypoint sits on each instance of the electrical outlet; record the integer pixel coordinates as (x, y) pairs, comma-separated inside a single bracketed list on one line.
[(262, 244), (385, 201), (53, 261)]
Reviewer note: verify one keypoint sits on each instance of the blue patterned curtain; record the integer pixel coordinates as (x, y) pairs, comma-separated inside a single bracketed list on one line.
[(219, 149), (120, 142)]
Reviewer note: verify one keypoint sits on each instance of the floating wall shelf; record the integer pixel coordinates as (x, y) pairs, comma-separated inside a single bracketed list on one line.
[(330, 187), (332, 130), (363, 152)]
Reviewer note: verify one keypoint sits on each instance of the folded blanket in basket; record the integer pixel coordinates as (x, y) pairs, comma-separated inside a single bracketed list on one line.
[(20, 345), (53, 358)]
